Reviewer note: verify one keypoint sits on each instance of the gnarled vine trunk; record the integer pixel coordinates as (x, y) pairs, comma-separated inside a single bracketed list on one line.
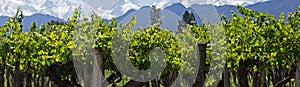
[(226, 76), (262, 74), (16, 75), (2, 70), (298, 74), (242, 74)]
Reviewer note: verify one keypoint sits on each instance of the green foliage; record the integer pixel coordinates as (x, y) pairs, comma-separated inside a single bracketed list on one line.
[(146, 40), (189, 18), (261, 37), (254, 37)]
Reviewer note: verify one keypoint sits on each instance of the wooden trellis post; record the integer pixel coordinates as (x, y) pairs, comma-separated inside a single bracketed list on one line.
[(97, 68), (200, 79)]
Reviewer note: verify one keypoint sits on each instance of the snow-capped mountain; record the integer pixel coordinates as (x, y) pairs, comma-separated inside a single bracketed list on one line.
[(58, 8), (46, 10), (105, 8)]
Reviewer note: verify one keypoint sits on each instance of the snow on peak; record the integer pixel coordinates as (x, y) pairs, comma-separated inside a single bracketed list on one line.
[(58, 8)]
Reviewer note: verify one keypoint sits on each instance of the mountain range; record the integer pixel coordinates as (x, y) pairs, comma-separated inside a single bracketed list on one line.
[(171, 13), (38, 18), (105, 8)]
